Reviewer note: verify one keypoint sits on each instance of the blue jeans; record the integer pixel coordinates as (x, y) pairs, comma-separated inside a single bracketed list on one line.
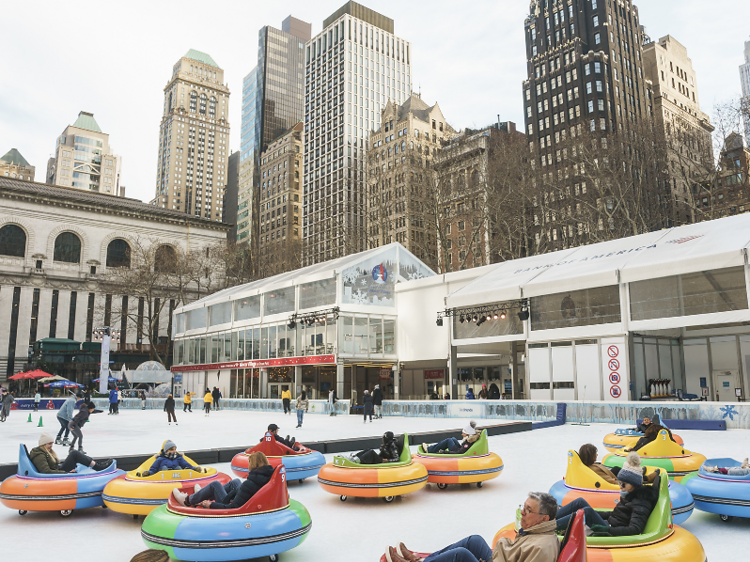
[(470, 549), (590, 516), (63, 427), (300, 415), (450, 443), (215, 491)]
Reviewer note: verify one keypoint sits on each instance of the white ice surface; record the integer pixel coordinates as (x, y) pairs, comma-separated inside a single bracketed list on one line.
[(357, 530)]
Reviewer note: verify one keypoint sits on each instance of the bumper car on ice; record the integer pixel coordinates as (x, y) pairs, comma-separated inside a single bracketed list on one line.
[(30, 490), (724, 494), (582, 482), (661, 539), (624, 438), (386, 480), (136, 494), (476, 465), (268, 524), (662, 453), (299, 464)]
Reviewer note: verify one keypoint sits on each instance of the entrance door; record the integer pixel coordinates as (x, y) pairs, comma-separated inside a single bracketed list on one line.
[(725, 382), (431, 386), (273, 391)]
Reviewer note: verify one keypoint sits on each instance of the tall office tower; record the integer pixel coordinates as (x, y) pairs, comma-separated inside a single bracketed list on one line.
[(677, 113), (352, 69), (229, 212), (585, 77), (84, 159), (194, 139), (272, 103), (745, 82), (13, 165)]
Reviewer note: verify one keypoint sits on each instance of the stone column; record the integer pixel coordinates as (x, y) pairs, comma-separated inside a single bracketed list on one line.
[(263, 382)]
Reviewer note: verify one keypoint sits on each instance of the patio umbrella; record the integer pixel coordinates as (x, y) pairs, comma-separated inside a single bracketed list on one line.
[(62, 384), (37, 374), (19, 376), (52, 379), (109, 379)]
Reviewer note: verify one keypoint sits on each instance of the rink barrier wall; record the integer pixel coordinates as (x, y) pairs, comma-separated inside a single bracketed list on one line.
[(225, 454), (734, 415)]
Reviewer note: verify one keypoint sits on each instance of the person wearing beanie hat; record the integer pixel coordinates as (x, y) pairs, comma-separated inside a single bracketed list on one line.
[(453, 446), (46, 461), (170, 459), (631, 513), (377, 401)]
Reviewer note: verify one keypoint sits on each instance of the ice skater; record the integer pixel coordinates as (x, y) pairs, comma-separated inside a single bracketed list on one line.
[(216, 395), (169, 408), (37, 398), (367, 405), (207, 401), (77, 423), (301, 407), (188, 402), (112, 401), (286, 400), (64, 416), (377, 401), (7, 402)]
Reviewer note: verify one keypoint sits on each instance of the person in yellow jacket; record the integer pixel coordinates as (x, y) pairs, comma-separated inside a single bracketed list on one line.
[(286, 399), (207, 401), (188, 402)]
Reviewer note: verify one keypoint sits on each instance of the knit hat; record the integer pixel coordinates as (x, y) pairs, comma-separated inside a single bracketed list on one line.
[(631, 471), (168, 444), (470, 429), (45, 438)]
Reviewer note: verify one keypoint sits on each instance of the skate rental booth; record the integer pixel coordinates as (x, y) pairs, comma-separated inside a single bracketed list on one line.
[(327, 326)]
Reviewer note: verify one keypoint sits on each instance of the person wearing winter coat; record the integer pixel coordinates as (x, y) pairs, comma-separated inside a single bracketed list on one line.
[(46, 461), (169, 408), (494, 392), (8, 400), (453, 446), (188, 402), (112, 402), (291, 443), (742, 470), (483, 392), (629, 515), (536, 541), (332, 402), (64, 416), (377, 401), (644, 425), (649, 436), (588, 453), (77, 423), (216, 395), (233, 494), (301, 407), (169, 459), (207, 401), (286, 400), (367, 405), (470, 394), (388, 452), (37, 399)]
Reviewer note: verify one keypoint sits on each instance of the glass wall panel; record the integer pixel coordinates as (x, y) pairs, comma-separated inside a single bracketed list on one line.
[(347, 334), (180, 323), (227, 347), (241, 345), (247, 308), (499, 326), (330, 335), (214, 349), (389, 336), (196, 318), (281, 333), (718, 290), (376, 335), (179, 351), (234, 345), (600, 305), (371, 281), (220, 313), (278, 301), (361, 346), (256, 343), (202, 351), (272, 342), (317, 293), (264, 343), (191, 352)]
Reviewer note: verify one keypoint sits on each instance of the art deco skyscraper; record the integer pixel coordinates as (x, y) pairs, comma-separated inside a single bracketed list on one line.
[(194, 138), (353, 67), (272, 103)]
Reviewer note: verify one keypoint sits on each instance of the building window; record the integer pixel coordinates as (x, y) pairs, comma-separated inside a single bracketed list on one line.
[(165, 259), (118, 253), (212, 107), (202, 109), (193, 101), (12, 241), (67, 248)]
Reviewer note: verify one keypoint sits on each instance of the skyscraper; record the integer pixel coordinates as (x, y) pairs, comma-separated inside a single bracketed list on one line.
[(194, 138), (745, 82), (353, 67), (14, 165), (272, 103), (84, 159)]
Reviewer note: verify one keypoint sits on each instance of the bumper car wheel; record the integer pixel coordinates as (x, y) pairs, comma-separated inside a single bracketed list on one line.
[(66, 512), (442, 486), (22, 512), (389, 499), (342, 498), (725, 518)]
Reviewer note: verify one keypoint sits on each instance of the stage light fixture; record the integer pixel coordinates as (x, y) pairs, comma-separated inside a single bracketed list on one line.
[(502, 315), (439, 322), (474, 318), (523, 315), (462, 319), (494, 316)]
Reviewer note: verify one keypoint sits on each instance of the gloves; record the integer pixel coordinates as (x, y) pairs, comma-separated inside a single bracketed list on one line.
[(600, 531), (145, 473)]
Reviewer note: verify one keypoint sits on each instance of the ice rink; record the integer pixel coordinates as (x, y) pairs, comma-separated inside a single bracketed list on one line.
[(357, 530)]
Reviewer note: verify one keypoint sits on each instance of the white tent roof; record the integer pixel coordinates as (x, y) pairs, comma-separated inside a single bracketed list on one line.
[(697, 247)]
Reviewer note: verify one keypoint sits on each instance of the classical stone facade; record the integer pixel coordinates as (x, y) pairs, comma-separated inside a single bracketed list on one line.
[(194, 139), (58, 250), (83, 159), (13, 165)]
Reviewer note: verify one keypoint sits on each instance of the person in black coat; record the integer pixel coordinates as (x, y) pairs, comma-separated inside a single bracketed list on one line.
[(649, 436), (216, 395), (644, 425), (377, 401), (388, 452), (77, 423), (367, 405), (234, 494), (494, 392), (631, 513), (169, 408)]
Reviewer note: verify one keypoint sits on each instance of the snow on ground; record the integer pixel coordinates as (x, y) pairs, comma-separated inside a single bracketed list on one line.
[(357, 530)]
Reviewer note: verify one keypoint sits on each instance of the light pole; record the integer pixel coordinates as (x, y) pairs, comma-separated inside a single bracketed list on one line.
[(105, 335)]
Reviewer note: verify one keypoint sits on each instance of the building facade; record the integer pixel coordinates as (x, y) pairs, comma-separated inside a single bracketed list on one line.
[(61, 253), (353, 67), (585, 82), (280, 213), (229, 212), (678, 116), (194, 139), (14, 165), (730, 193), (83, 159), (272, 103), (745, 84)]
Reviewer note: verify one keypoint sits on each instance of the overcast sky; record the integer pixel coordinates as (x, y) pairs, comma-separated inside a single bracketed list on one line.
[(114, 58)]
